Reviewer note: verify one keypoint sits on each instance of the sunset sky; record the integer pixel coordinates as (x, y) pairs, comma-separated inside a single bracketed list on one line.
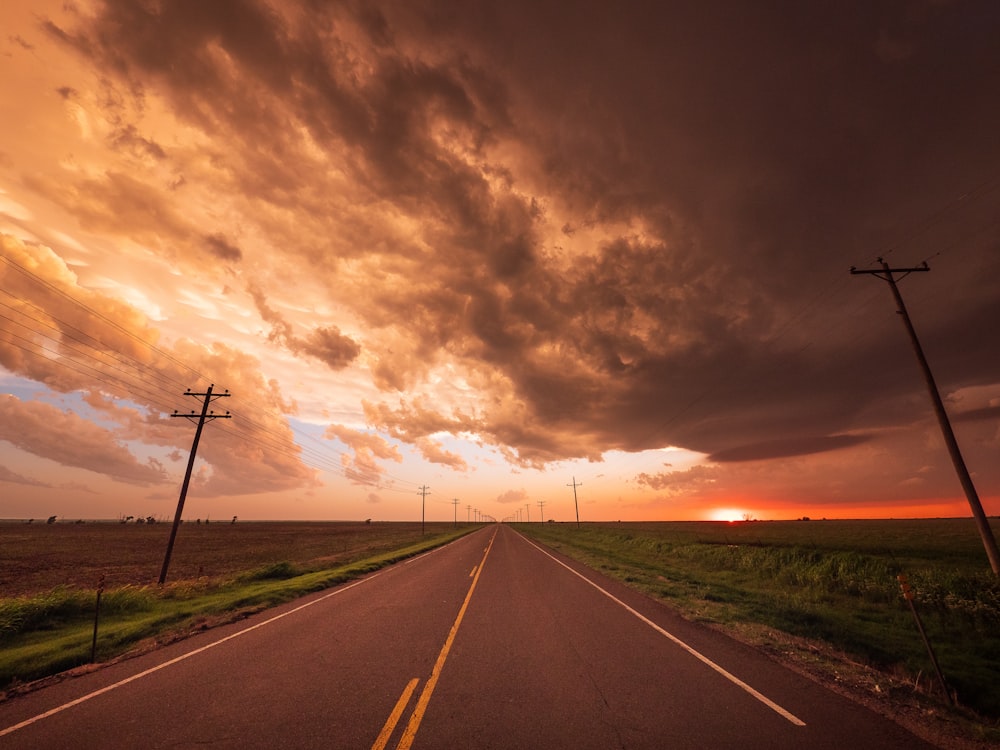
[(495, 248)]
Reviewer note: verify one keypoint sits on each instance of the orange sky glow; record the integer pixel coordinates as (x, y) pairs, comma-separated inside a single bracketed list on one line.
[(493, 250)]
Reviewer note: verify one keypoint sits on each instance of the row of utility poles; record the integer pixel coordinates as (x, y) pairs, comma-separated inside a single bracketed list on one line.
[(481, 517), (891, 276), (884, 273), (517, 516)]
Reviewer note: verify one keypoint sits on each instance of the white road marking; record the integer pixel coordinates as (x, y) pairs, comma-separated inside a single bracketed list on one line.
[(182, 657), (701, 657)]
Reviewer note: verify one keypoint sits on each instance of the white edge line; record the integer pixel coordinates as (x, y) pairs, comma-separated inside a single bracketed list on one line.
[(182, 657), (701, 657)]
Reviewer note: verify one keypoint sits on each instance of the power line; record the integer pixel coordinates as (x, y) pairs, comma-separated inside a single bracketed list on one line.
[(134, 383), (202, 418), (423, 492), (575, 504), (982, 523)]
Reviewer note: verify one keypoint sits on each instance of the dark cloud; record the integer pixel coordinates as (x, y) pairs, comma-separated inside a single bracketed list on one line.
[(987, 413), (803, 446), (20, 42), (329, 345), (128, 139), (326, 344), (627, 227), (222, 249)]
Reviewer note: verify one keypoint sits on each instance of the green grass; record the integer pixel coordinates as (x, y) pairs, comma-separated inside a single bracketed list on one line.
[(831, 581), (48, 632)]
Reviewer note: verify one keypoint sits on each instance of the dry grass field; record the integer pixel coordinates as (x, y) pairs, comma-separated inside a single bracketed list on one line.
[(37, 557)]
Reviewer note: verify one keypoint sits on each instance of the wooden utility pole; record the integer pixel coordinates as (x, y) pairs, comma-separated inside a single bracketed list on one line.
[(575, 504), (541, 510), (205, 416), (455, 503), (989, 541), (423, 504)]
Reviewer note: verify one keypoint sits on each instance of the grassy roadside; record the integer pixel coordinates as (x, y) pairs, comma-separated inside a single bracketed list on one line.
[(783, 585), (48, 632)]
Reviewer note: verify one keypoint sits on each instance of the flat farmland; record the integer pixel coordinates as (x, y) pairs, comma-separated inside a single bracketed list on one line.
[(37, 557), (823, 595)]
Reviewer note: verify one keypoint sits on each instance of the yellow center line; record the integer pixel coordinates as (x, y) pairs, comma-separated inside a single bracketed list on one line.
[(390, 723), (425, 696), (473, 571)]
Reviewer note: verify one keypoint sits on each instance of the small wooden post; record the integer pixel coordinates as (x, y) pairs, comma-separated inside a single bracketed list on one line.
[(97, 615), (908, 595)]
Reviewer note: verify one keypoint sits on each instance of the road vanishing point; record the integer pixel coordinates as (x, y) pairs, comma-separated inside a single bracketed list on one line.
[(491, 641)]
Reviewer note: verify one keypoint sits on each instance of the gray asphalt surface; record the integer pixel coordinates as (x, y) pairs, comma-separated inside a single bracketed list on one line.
[(490, 642)]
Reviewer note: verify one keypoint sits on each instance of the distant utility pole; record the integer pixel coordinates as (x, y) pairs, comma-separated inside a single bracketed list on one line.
[(205, 416), (423, 504), (541, 510), (455, 503), (575, 504), (989, 542), (527, 512), (468, 513)]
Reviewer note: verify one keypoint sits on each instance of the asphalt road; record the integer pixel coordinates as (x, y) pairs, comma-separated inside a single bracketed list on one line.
[(490, 642)]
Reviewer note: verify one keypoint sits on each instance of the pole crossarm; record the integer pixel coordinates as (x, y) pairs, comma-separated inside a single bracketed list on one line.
[(209, 398), (886, 274)]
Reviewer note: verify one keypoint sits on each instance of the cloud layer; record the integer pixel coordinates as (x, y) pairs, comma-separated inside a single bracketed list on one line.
[(549, 235)]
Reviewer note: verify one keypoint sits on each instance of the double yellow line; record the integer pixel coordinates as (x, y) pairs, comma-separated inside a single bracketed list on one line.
[(425, 696)]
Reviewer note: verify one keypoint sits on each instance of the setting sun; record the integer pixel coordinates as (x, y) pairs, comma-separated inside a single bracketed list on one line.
[(728, 514)]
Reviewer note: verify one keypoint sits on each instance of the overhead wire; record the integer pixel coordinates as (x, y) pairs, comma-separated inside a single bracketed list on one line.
[(947, 212), (317, 458)]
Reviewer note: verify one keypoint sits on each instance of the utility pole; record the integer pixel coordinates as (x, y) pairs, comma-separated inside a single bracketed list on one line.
[(202, 418), (468, 513), (455, 503), (575, 504), (423, 504), (527, 512), (985, 532), (541, 510)]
